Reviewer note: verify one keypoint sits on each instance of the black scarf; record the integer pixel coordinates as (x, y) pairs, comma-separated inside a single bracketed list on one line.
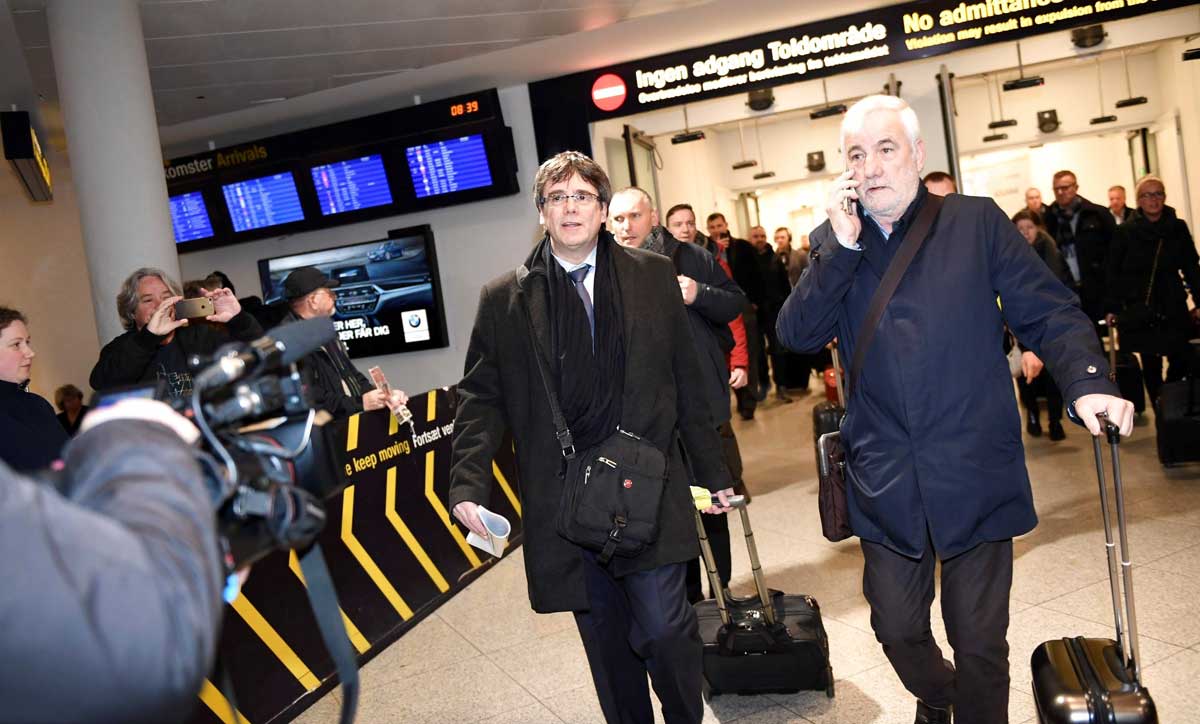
[(1065, 214), (589, 383)]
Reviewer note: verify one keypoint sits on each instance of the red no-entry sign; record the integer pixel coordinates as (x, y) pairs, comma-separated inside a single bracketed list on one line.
[(608, 92)]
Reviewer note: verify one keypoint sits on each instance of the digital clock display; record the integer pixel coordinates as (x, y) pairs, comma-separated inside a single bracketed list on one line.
[(464, 109)]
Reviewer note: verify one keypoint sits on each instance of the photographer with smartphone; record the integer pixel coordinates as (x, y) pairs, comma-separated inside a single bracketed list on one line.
[(112, 575), (159, 340)]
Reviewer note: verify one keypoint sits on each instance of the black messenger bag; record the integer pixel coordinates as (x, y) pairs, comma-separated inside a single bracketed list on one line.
[(612, 492)]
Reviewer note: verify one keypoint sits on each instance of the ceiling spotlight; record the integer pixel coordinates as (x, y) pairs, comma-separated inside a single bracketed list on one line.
[(1126, 102), (687, 136), (995, 137), (1022, 82), (758, 138), (750, 163), (1102, 119), (1088, 37), (761, 99), (763, 174), (1003, 124), (1100, 92)]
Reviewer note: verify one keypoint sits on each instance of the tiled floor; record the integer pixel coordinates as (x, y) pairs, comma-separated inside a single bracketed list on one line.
[(485, 657)]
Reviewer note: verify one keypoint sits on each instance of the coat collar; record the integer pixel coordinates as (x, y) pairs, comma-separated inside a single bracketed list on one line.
[(533, 290)]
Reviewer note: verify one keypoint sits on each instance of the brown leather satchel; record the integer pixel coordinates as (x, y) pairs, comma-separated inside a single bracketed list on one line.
[(832, 465)]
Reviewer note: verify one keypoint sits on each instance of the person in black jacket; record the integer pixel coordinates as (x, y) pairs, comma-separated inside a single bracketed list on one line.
[(112, 596), (69, 400), (30, 436), (713, 300), (611, 329), (1150, 253), (156, 346), (775, 289), (1083, 232), (1035, 381), (334, 383)]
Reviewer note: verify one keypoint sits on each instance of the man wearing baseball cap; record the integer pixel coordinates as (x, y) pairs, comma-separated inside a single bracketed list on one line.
[(334, 383)]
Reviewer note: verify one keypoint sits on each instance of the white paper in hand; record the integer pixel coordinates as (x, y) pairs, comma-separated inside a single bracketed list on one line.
[(498, 529)]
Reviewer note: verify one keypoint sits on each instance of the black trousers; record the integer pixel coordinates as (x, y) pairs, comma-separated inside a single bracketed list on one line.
[(975, 590), (637, 624), (1152, 371), (1043, 384)]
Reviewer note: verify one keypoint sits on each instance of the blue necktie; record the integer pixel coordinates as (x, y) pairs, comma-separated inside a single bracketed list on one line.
[(577, 276)]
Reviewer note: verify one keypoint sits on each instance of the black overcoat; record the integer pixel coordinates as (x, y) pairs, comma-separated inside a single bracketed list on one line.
[(932, 433), (501, 390)]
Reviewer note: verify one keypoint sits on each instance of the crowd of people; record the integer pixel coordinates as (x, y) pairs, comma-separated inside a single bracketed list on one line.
[(640, 323)]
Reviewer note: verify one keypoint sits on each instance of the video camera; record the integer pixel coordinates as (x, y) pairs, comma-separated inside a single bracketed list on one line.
[(267, 465), (265, 458)]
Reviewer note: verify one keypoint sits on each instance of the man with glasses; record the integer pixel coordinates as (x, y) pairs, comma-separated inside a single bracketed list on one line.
[(1083, 232), (334, 383), (610, 327)]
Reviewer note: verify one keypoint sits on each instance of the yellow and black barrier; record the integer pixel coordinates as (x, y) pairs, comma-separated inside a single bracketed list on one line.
[(394, 554)]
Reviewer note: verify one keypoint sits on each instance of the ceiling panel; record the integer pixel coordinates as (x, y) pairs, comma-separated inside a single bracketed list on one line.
[(235, 53), (328, 41)]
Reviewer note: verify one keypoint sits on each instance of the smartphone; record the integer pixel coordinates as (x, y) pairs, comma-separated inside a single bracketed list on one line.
[(847, 205), (199, 307)]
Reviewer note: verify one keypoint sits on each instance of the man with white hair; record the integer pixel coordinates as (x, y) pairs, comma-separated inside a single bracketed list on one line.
[(936, 470)]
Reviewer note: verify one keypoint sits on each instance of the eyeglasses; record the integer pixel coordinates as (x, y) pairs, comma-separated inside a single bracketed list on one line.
[(1152, 195), (582, 199)]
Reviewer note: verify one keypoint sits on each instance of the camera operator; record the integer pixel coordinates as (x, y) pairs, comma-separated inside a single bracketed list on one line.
[(112, 575), (332, 380), (157, 345)]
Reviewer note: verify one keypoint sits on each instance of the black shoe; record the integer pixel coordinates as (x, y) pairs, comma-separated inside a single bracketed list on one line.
[(932, 715), (746, 414), (1033, 427), (1056, 431)]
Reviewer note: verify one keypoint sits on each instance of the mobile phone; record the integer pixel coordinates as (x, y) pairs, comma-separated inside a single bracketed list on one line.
[(193, 308), (847, 205)]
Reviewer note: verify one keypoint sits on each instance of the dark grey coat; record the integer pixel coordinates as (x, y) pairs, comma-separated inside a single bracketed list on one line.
[(111, 600), (501, 390)]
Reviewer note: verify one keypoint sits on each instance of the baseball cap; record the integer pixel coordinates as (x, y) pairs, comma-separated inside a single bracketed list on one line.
[(305, 280)]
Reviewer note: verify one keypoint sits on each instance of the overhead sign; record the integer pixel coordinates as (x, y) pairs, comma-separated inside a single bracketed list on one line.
[(885, 36)]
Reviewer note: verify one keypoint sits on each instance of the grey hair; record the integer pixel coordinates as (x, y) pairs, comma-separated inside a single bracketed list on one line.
[(856, 117), (127, 297)]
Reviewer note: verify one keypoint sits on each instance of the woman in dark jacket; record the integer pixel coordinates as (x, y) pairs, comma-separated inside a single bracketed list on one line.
[(1149, 254), (1029, 223), (30, 436)]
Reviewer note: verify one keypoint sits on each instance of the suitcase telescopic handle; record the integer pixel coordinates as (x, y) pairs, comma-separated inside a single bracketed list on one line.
[(710, 564), (1127, 634)]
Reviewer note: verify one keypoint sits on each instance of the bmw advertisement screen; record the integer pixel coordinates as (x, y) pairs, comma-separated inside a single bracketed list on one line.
[(388, 294)]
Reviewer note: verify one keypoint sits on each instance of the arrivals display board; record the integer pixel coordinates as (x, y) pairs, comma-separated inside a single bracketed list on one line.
[(435, 154)]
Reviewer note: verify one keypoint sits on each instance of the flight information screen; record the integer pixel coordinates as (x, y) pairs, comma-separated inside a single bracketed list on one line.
[(189, 217), (447, 166), (359, 183), (261, 202)]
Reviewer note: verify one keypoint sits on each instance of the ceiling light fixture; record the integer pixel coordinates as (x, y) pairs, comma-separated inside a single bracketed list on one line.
[(1100, 90), (1022, 82), (827, 110), (746, 162), (1131, 101), (764, 173), (688, 135)]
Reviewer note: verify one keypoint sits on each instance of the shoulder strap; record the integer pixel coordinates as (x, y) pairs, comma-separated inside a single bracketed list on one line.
[(561, 431), (1153, 272), (913, 239)]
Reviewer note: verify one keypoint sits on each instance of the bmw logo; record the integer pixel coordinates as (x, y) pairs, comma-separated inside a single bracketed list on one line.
[(414, 320)]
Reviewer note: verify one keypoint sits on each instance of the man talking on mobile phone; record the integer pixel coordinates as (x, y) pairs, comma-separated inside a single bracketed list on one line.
[(935, 466)]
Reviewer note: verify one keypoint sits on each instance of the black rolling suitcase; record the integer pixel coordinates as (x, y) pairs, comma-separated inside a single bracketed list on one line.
[(1177, 422), (827, 415), (769, 643), (1098, 681), (1125, 370)]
